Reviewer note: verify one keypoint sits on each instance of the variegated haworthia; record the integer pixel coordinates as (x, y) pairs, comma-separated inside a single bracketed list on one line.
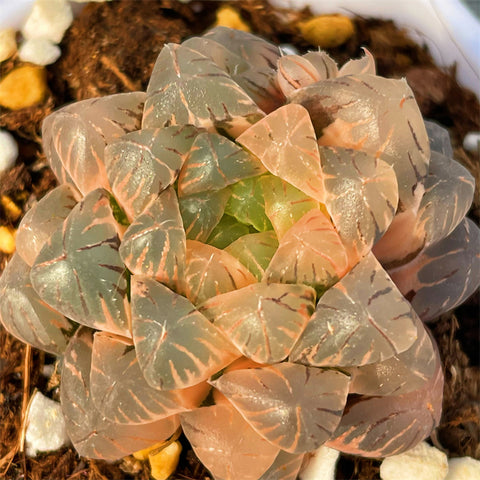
[(231, 253)]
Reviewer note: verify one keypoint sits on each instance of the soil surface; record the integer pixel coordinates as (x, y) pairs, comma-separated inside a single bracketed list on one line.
[(111, 47)]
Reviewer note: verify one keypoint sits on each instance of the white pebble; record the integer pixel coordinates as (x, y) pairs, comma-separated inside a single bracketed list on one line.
[(46, 426), (48, 19), (471, 142), (421, 462), (48, 370), (320, 465), (8, 43), (8, 150), (288, 49), (39, 51), (463, 468)]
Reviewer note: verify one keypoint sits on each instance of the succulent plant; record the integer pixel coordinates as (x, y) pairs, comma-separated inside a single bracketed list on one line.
[(246, 251)]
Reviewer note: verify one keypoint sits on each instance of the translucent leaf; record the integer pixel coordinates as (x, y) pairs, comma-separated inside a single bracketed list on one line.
[(226, 444), (256, 51), (225, 58), (443, 275), (356, 66), (285, 143), (143, 163), (76, 135), (261, 86), (247, 203), (324, 64), (50, 150), (121, 393), (202, 212), (188, 88), (262, 321), (395, 423), (285, 205), (92, 435), (295, 71), (154, 244), (439, 139), (39, 223), (402, 373), (400, 243), (239, 364), (294, 407), (285, 467), (232, 51), (210, 271), (311, 252), (25, 315), (214, 162), (362, 319), (260, 57), (176, 346), (376, 115), (449, 190), (79, 271), (255, 251), (226, 231), (361, 197)]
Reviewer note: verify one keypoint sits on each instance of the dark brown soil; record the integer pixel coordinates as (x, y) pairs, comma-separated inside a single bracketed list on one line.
[(111, 48)]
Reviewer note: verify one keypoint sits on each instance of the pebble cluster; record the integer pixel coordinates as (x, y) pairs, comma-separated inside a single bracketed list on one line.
[(39, 35), (425, 461), (42, 30)]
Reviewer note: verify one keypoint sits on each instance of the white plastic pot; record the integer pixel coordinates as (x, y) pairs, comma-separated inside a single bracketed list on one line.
[(13, 13), (447, 27)]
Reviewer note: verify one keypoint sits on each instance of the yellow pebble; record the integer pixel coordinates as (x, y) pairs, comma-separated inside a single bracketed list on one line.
[(12, 210), (327, 31), (8, 43), (23, 87), (164, 462), (229, 17), (143, 454), (7, 240)]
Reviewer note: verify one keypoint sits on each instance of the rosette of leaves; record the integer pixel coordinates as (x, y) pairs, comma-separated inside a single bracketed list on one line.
[(231, 253)]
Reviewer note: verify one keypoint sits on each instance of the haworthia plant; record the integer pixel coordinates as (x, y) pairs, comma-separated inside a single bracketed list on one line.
[(246, 251)]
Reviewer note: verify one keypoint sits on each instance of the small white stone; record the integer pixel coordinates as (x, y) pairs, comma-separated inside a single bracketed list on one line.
[(320, 464), (8, 43), (45, 426), (39, 51), (288, 49), (420, 462), (8, 150), (471, 142), (48, 19), (463, 468), (48, 370)]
